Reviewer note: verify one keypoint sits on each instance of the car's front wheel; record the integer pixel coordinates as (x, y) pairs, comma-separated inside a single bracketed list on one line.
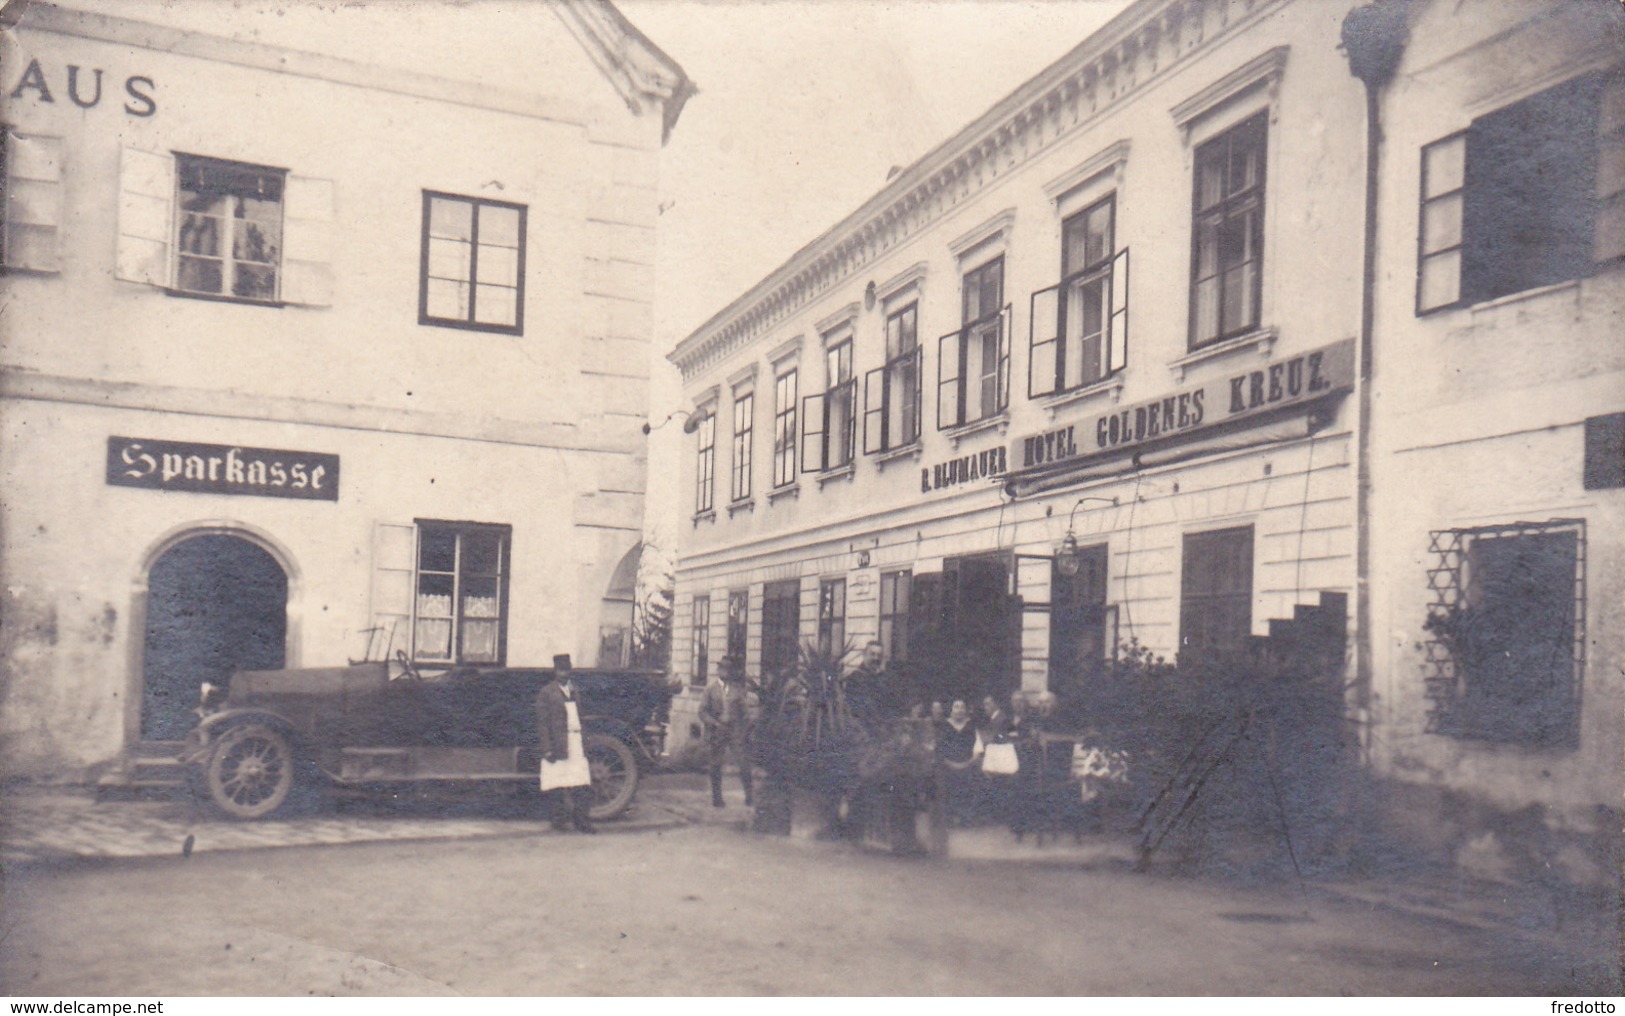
[(250, 771), (614, 775)]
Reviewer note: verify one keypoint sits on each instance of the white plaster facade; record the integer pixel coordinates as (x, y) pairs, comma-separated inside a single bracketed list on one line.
[(536, 429), (1124, 114)]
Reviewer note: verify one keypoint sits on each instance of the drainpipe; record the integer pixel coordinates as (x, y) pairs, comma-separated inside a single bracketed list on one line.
[(1373, 39)]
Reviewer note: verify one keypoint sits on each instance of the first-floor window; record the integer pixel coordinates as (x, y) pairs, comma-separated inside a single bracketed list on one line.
[(1227, 256), (832, 617), (705, 464), (744, 427), (784, 428), (702, 639), (1216, 591), (894, 608), (461, 608), (228, 228), (473, 264), (973, 363), (1507, 628)]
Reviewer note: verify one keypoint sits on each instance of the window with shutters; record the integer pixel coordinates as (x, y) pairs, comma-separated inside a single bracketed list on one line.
[(1080, 325), (473, 266), (1227, 249), (460, 606), (891, 394), (829, 418), (973, 365), (1529, 195), (31, 168), (228, 228), (784, 428), (214, 228)]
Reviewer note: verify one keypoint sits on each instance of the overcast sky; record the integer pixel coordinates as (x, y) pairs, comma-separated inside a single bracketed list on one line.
[(804, 105)]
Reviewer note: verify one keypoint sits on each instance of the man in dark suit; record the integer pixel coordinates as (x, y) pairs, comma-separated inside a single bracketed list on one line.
[(566, 778)]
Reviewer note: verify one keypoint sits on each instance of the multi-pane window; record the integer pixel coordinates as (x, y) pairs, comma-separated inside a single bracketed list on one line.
[(702, 640), (784, 428), (1080, 326), (738, 620), (473, 267), (1508, 632), (894, 611), (461, 607), (891, 394), (781, 625), (228, 228), (1227, 251), (744, 414), (832, 617), (1216, 591), (32, 175), (1529, 195), (705, 465), (973, 365), (833, 410)]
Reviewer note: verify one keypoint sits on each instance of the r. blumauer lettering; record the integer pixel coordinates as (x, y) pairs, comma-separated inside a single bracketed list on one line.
[(964, 469)]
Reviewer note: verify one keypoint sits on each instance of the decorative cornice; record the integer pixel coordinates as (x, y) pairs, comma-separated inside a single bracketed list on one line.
[(1264, 70), (840, 319), (1111, 160), (913, 275), (1142, 45), (982, 232), (638, 69), (784, 350)]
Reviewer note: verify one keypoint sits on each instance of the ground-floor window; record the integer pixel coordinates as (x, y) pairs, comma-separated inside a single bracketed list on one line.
[(894, 609), (702, 640), (781, 625), (1508, 632), (461, 608), (1216, 591), (1083, 628), (738, 615), (832, 617)]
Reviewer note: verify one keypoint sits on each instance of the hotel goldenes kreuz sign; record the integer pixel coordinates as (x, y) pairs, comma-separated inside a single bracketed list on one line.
[(221, 469)]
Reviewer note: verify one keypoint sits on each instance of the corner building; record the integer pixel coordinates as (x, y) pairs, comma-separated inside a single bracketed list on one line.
[(1078, 376), (315, 349)]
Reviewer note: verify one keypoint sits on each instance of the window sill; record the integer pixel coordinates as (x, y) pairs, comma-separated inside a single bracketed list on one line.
[(1112, 386), (1491, 306), (744, 504), (1263, 339), (187, 294), (910, 451), (845, 472), (788, 490), (999, 422), (709, 515)]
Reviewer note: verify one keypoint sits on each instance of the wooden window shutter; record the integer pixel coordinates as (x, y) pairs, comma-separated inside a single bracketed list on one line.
[(394, 563), (145, 217), (307, 242), (33, 212)]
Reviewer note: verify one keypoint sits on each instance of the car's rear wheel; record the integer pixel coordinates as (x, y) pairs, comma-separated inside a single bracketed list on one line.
[(614, 775), (250, 771)]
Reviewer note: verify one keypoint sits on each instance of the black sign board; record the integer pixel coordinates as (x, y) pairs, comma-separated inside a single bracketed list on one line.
[(221, 469)]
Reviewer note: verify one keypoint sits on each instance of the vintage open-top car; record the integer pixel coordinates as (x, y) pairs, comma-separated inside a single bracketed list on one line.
[(358, 726)]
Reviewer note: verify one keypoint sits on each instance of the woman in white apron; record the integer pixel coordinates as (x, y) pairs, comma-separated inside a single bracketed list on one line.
[(566, 778)]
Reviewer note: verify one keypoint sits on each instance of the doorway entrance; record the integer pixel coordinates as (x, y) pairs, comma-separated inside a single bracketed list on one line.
[(215, 604), (964, 630)]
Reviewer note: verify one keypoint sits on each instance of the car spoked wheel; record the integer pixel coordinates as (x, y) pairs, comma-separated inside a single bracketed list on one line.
[(614, 775), (251, 771)]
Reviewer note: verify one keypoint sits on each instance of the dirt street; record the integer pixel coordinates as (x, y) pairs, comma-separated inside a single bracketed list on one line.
[(710, 910)]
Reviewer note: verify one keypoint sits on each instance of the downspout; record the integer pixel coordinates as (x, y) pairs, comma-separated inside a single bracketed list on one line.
[(1373, 39)]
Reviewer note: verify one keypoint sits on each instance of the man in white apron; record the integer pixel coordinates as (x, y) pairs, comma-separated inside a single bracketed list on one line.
[(566, 777)]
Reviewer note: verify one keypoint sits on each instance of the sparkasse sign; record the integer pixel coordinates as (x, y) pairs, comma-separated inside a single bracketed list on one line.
[(221, 469)]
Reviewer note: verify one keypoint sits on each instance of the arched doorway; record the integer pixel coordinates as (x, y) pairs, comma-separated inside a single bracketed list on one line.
[(215, 604)]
